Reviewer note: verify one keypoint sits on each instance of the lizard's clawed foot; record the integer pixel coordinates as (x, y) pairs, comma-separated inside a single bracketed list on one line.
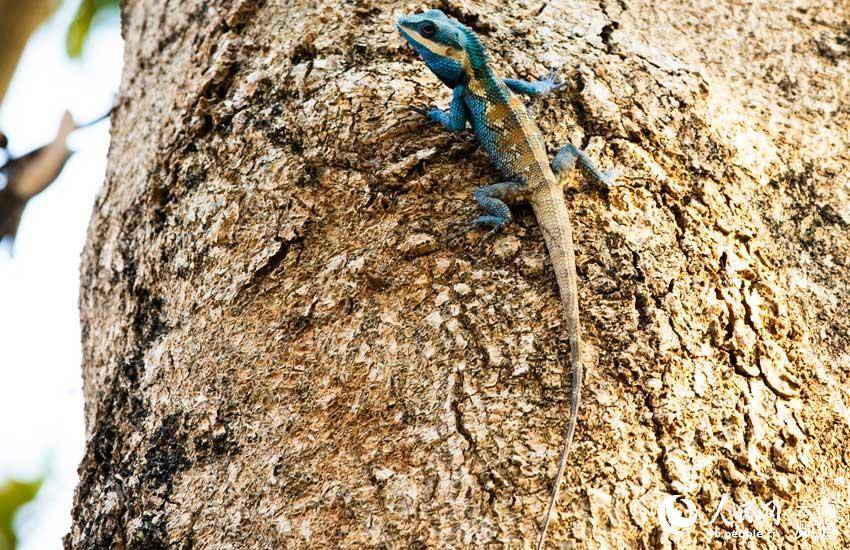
[(467, 227), (425, 111), (455, 234), (550, 83), (609, 179), (496, 224), (421, 110), (489, 236)]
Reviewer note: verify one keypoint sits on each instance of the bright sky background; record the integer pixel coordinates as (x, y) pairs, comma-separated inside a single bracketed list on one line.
[(41, 403)]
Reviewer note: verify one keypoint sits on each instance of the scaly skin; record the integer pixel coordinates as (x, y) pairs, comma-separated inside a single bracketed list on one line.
[(515, 146)]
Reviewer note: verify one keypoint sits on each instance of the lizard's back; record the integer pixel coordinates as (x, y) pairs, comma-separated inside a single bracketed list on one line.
[(508, 134)]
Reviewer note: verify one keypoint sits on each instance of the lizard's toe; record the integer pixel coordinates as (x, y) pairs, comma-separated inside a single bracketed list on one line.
[(489, 236), (551, 82), (458, 230), (422, 110), (426, 111)]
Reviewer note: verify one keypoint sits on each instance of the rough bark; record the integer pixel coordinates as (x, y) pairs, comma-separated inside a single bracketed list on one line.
[(284, 348)]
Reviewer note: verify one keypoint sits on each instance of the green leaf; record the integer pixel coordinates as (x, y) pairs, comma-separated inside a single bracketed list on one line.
[(80, 27), (13, 495)]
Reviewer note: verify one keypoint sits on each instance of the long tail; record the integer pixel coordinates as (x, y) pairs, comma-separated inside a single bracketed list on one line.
[(553, 217)]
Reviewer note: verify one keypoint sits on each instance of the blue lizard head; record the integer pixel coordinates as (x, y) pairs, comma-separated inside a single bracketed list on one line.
[(450, 49)]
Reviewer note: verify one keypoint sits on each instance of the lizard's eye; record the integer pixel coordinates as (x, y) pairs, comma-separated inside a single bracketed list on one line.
[(428, 29)]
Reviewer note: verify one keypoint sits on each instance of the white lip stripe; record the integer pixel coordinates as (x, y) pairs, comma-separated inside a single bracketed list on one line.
[(434, 47)]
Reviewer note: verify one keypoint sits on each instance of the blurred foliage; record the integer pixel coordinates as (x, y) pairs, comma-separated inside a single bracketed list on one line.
[(79, 29), (13, 495)]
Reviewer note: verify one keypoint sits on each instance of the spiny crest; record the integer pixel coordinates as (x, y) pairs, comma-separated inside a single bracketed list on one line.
[(472, 45)]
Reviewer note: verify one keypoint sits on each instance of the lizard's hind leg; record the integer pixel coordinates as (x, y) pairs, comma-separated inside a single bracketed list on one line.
[(494, 200), (571, 156), (453, 119)]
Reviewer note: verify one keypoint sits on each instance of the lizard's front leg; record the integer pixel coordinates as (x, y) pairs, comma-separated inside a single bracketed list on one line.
[(494, 200), (455, 118), (538, 88)]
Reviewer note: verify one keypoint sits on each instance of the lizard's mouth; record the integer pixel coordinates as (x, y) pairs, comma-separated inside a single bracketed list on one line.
[(408, 31), (400, 26)]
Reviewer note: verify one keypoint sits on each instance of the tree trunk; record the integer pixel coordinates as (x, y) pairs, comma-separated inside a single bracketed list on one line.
[(284, 347)]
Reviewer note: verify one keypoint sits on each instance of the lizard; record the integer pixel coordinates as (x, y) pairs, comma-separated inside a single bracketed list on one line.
[(514, 143)]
